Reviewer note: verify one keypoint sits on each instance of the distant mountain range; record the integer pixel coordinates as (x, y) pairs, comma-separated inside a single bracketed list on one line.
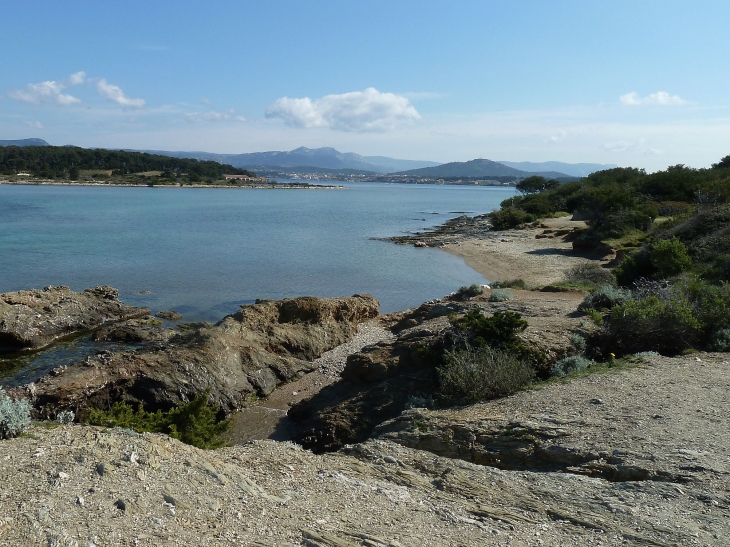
[(573, 169), (327, 158), (478, 168), (309, 160)]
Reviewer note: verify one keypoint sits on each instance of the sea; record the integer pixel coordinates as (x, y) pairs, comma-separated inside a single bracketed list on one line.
[(204, 252)]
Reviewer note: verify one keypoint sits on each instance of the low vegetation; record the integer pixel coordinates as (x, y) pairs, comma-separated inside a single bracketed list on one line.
[(14, 416), (487, 358), (193, 423)]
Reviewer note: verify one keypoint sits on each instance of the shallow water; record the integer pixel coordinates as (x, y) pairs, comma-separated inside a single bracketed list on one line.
[(204, 252)]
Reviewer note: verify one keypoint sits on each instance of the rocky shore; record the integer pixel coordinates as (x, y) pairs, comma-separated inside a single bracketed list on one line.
[(637, 455)]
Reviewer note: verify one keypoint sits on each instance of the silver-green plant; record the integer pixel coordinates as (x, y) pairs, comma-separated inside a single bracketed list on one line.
[(65, 417), (565, 366), (14, 416), (500, 295)]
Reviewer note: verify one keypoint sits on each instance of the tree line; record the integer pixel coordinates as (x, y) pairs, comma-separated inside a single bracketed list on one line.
[(67, 161)]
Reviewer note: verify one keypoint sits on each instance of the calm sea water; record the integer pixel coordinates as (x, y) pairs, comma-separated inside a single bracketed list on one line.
[(204, 252)]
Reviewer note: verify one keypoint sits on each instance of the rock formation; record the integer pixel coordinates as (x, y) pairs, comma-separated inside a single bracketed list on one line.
[(34, 319), (246, 354)]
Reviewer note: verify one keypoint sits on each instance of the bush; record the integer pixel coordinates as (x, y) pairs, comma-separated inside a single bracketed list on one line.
[(65, 417), (605, 298), (14, 416), (589, 274), (669, 257), (479, 374), (192, 423), (579, 342), (475, 289), (500, 295), (652, 324), (510, 217), (720, 340), (518, 284), (568, 365)]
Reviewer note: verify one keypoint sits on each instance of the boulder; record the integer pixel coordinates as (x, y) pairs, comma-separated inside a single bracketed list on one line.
[(33, 319)]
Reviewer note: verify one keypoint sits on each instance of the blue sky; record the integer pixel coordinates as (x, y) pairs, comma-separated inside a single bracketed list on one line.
[(640, 83)]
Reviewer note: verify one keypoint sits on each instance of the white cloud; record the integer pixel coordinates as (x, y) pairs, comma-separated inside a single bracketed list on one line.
[(213, 116), (359, 111), (34, 125), (49, 91), (660, 98), (115, 94), (205, 100), (76, 78)]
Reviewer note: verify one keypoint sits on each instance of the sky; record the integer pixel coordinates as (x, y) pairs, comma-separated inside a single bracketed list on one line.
[(633, 83)]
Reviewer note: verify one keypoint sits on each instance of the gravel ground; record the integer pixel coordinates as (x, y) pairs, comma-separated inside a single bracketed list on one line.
[(333, 362)]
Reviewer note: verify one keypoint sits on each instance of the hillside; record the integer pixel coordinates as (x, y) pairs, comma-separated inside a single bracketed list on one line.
[(68, 161), (476, 168), (25, 142)]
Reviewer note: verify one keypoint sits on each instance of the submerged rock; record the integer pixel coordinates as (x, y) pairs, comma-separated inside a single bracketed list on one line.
[(34, 319), (246, 354)]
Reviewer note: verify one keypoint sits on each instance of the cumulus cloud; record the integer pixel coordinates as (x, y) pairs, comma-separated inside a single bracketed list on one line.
[(213, 116), (359, 111), (49, 91), (115, 94), (660, 98)]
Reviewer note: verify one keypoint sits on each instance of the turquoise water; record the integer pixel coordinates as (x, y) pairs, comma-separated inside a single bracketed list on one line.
[(204, 252)]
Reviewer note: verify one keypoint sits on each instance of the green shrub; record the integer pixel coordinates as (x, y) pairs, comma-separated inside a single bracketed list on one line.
[(193, 423), (510, 217), (653, 324), (595, 315), (498, 331), (605, 298), (14, 416), (589, 274), (568, 365), (478, 374), (669, 257), (475, 289), (500, 295), (720, 340)]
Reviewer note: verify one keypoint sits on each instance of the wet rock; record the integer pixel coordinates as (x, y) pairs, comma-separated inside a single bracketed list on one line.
[(170, 315), (146, 329), (34, 319)]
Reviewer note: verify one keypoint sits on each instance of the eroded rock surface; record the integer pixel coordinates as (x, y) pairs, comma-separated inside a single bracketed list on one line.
[(81, 485), (246, 354), (380, 380), (33, 319), (662, 421)]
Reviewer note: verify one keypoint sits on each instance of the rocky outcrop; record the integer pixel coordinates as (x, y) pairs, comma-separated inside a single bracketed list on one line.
[(656, 422), (34, 319), (380, 381), (246, 354)]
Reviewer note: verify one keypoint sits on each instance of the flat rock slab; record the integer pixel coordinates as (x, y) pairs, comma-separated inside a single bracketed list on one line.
[(31, 320)]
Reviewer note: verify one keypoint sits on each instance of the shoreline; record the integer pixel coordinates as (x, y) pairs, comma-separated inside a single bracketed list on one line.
[(538, 255), (270, 186)]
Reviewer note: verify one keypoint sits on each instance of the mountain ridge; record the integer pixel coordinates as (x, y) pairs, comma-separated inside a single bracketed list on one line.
[(478, 168)]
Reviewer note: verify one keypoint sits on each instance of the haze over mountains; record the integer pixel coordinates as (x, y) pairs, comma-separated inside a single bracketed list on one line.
[(327, 158), (310, 159)]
